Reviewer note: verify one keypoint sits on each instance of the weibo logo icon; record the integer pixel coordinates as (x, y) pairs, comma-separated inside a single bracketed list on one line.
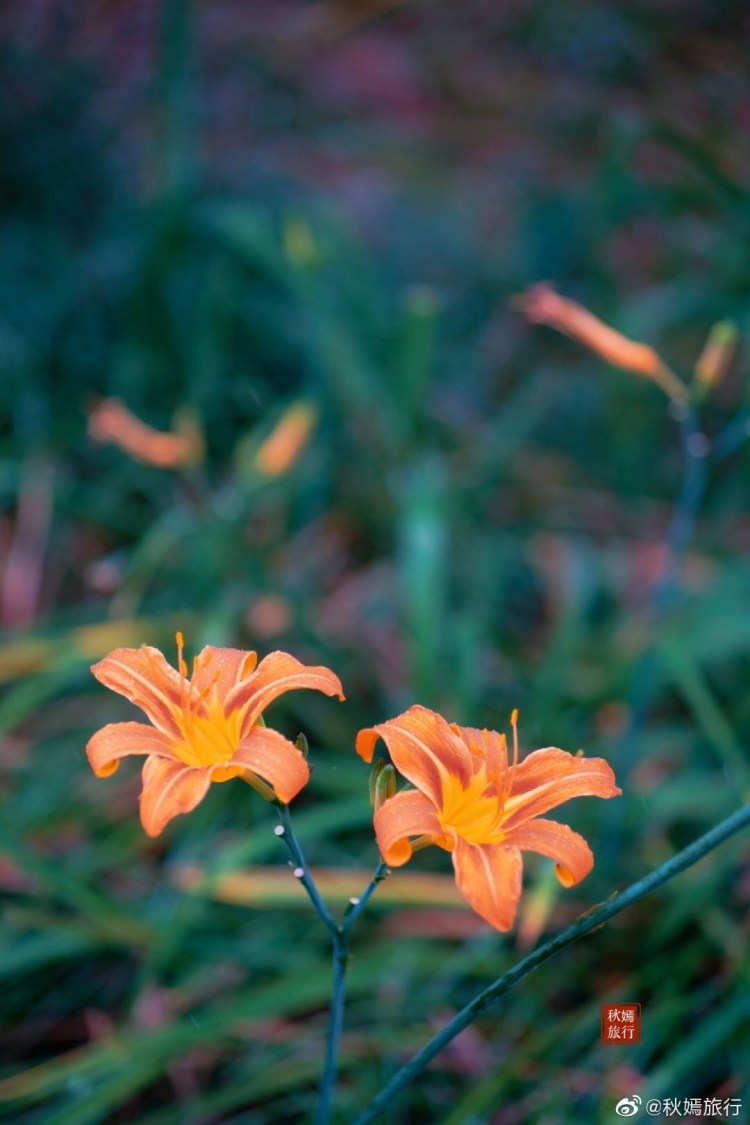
[(628, 1107)]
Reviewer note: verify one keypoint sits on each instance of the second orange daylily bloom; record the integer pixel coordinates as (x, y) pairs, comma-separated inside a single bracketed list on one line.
[(474, 801), (206, 728)]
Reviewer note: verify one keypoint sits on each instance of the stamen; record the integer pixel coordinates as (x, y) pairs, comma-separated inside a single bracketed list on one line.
[(508, 780), (209, 736), (203, 695), (490, 763), (503, 787), (182, 666), (514, 724)]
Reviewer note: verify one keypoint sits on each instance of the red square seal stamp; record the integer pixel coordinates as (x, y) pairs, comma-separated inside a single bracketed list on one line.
[(621, 1023)]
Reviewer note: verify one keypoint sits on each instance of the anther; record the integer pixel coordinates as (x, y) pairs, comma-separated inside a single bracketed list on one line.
[(514, 723), (180, 662)]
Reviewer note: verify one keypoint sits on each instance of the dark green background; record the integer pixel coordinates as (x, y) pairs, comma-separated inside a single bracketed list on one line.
[(223, 207)]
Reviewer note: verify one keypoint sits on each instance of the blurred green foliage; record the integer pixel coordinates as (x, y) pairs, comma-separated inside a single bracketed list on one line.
[(218, 212)]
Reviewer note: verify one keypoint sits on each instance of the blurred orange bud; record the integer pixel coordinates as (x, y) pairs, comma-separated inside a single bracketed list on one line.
[(543, 305), (718, 352), (287, 439), (111, 421)]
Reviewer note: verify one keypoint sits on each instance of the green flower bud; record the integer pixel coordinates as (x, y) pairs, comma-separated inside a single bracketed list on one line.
[(385, 786), (377, 768), (716, 358)]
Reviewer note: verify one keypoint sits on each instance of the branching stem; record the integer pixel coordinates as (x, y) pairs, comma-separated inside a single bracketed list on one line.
[(587, 922), (341, 938)]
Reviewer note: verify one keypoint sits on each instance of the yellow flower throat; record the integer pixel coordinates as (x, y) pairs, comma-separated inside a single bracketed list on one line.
[(476, 811), (209, 736)]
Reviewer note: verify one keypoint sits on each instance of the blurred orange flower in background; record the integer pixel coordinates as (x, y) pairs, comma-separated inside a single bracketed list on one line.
[(472, 801), (207, 728), (543, 305), (287, 440), (111, 421)]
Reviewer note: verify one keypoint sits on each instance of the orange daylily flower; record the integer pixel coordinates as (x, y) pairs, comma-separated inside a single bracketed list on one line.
[(207, 728), (543, 305), (472, 801)]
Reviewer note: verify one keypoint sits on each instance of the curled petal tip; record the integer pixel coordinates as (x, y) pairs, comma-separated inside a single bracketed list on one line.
[(365, 744), (565, 877)]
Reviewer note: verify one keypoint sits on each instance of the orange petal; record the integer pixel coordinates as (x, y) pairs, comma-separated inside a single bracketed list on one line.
[(491, 746), (275, 759), (489, 876), (169, 789), (143, 676), (423, 748), (226, 773), (119, 740), (278, 673), (406, 814), (366, 740), (548, 777), (571, 853), (224, 667)]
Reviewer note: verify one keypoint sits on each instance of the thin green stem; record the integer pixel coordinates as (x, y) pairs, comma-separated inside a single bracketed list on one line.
[(587, 922), (679, 534), (624, 754), (335, 1027), (678, 537), (731, 437), (305, 878), (382, 871), (694, 452), (340, 965), (341, 938)]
